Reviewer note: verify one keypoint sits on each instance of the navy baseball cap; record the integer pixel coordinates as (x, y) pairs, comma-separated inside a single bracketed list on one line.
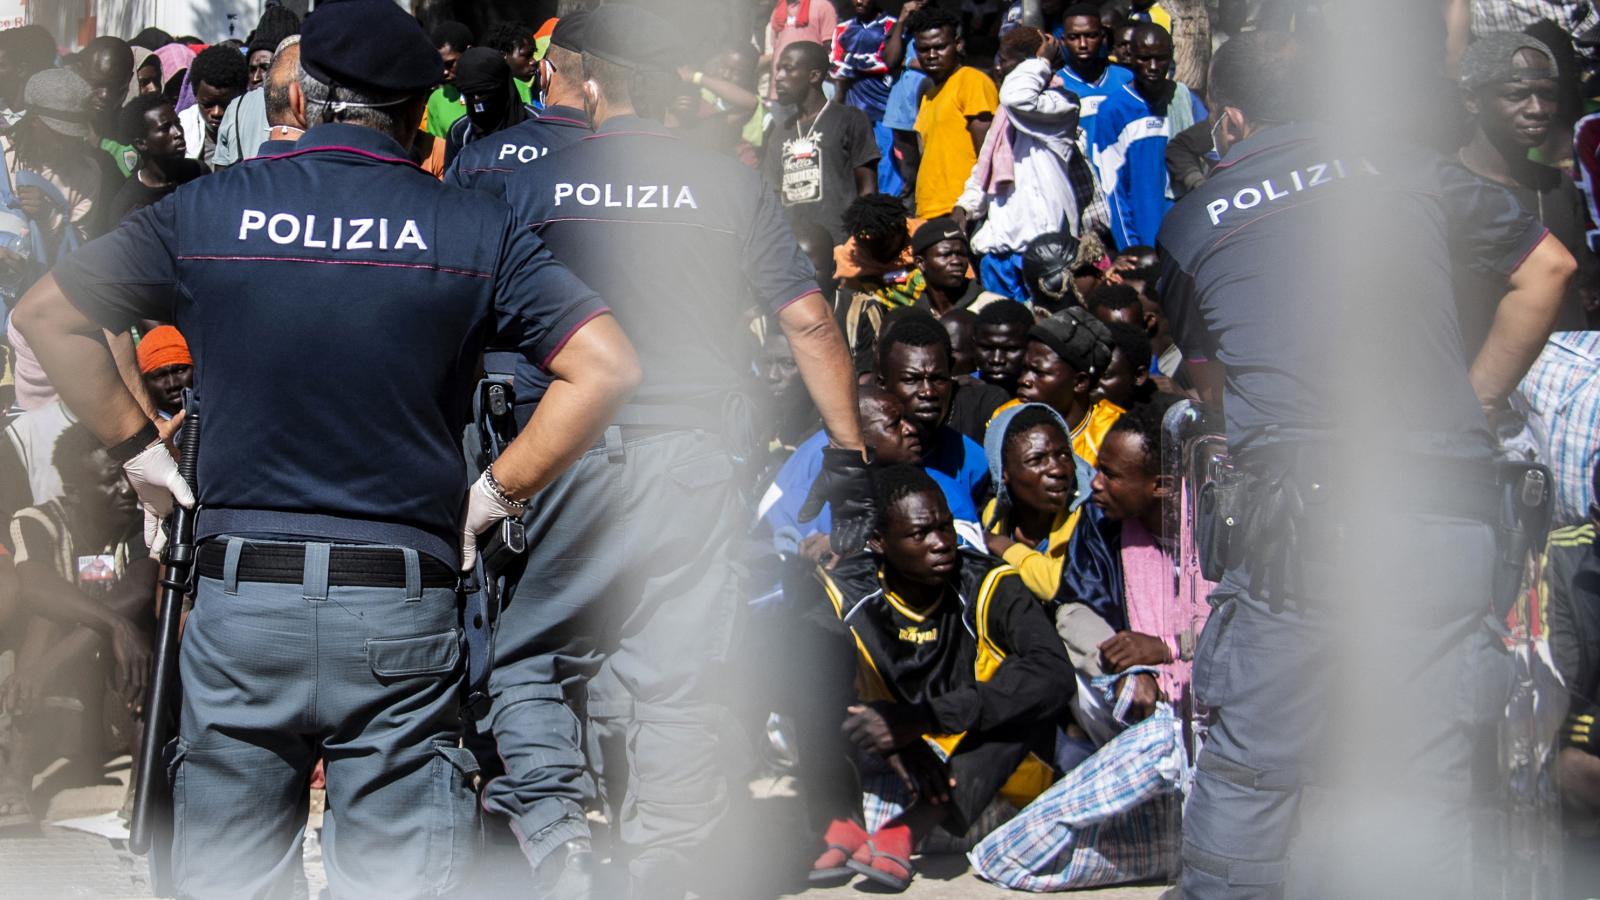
[(369, 45), (571, 30)]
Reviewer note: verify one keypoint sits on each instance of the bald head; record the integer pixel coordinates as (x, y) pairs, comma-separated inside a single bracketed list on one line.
[(283, 86), (891, 437), (1152, 59)]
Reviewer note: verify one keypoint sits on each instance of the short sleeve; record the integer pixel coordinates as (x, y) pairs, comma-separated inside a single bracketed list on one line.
[(773, 261), (539, 303), (1184, 318), (1491, 233), (978, 95), (129, 274), (863, 147)]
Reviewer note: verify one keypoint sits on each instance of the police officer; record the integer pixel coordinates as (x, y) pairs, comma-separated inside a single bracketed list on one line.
[(485, 164), (1308, 284), (337, 300), (631, 561)]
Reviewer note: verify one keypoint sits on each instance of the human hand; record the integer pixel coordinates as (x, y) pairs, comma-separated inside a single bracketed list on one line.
[(31, 200), (1146, 694), (923, 773), (1050, 50), (130, 648), (486, 507), (19, 696), (960, 215), (818, 549), (155, 479), (1126, 649), (882, 728), (844, 484)]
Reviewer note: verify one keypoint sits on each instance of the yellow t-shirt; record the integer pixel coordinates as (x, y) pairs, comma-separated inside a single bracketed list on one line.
[(947, 152)]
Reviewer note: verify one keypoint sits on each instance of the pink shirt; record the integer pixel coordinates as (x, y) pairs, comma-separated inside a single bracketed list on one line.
[(820, 29), (1151, 596)]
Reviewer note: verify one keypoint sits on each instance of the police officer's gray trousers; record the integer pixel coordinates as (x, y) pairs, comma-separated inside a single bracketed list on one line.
[(628, 564), (1344, 744), (275, 675)]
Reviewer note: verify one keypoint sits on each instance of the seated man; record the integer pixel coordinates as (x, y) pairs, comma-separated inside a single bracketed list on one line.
[(1114, 818), (1570, 594), (914, 362), (952, 649), (893, 440), (1033, 523), (1067, 353), (85, 581)]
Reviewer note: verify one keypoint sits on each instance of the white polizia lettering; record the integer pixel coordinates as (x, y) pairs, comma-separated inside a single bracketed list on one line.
[(626, 196), (336, 233), (1276, 188)]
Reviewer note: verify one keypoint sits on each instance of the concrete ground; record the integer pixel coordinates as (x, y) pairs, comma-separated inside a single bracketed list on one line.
[(60, 864)]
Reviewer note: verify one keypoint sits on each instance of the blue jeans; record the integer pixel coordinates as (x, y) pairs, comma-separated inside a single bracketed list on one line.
[(276, 675)]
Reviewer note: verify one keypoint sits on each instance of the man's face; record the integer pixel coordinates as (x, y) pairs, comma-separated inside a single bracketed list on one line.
[(1123, 487), (485, 109), (449, 54), (163, 134), (919, 377), (1120, 383), (778, 367), (166, 386), (1039, 470), (1046, 378), (1122, 44), (964, 354), (918, 542), (945, 264), (890, 436), (99, 493), (213, 102), (1518, 113), (791, 78), (940, 52), (520, 59), (260, 62), (1001, 351), (1085, 37), (1152, 59), (107, 73), (862, 9), (150, 76)]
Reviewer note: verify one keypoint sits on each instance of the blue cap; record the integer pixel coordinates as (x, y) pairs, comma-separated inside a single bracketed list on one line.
[(369, 45)]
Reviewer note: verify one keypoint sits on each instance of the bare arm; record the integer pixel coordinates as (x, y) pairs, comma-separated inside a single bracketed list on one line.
[(1523, 321), (825, 366), (978, 127), (596, 372), (1457, 33), (75, 351), (866, 180)]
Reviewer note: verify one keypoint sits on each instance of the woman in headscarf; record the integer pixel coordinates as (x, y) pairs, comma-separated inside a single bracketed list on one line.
[(484, 79)]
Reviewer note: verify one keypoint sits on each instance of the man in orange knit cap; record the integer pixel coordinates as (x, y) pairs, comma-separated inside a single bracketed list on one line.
[(167, 367)]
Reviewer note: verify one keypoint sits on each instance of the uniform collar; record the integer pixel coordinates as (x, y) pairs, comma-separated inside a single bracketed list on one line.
[(631, 125), (565, 114), (357, 139), (1265, 141)]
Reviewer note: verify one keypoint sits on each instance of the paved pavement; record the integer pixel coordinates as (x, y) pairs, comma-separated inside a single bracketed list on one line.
[(58, 864)]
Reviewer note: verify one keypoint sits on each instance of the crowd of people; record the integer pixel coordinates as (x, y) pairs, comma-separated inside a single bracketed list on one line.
[(992, 652)]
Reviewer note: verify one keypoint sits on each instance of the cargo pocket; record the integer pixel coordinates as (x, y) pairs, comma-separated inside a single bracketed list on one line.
[(453, 835), (1211, 655), (431, 654), (173, 756)]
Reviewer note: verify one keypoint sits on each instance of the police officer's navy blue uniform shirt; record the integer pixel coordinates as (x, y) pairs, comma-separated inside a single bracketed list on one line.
[(484, 164), (680, 242), (1247, 263), (336, 300)]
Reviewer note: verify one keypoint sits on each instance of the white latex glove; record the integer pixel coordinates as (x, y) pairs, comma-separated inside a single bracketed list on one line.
[(155, 478), (485, 509)]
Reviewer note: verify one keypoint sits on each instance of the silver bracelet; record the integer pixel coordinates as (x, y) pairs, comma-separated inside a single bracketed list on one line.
[(488, 478)]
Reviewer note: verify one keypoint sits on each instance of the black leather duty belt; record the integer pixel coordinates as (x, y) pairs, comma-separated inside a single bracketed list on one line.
[(380, 567)]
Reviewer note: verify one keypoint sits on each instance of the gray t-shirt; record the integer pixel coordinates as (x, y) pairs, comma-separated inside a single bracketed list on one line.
[(244, 127)]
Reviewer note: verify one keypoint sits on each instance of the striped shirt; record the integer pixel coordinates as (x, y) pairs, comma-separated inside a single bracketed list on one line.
[(1561, 398)]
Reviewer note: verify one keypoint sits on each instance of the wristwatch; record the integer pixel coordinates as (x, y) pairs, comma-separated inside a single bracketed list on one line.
[(133, 446)]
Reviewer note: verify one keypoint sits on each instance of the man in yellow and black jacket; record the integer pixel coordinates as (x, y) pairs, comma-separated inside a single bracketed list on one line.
[(950, 650)]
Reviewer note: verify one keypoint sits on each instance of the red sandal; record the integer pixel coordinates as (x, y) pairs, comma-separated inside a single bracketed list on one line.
[(843, 838)]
